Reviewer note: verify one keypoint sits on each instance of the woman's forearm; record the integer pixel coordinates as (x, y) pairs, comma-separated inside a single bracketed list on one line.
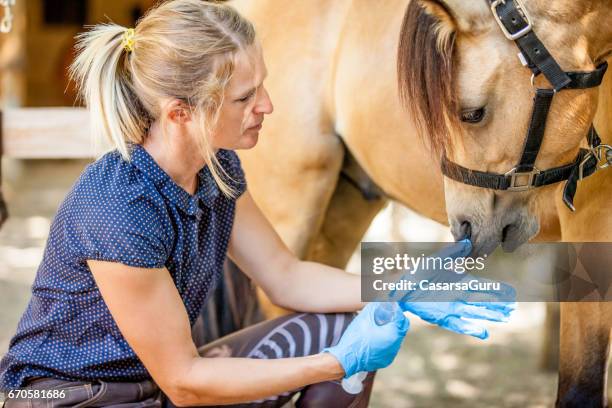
[(317, 288), (234, 380)]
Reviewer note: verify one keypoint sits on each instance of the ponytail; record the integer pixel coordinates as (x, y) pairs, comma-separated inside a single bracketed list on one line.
[(101, 71)]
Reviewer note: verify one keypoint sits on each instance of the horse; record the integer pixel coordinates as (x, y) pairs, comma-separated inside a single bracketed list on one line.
[(352, 131)]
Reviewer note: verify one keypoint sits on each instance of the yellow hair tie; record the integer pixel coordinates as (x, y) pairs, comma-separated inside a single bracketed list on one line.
[(128, 40)]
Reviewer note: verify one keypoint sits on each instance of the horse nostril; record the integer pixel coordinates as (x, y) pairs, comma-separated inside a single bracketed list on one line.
[(466, 230), (507, 229)]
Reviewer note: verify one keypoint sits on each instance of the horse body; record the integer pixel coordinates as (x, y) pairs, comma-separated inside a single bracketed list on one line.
[(379, 133), (333, 80), (341, 74), (584, 348)]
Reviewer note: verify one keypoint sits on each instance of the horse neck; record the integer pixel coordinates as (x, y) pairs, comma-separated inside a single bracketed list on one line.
[(583, 20), (591, 13)]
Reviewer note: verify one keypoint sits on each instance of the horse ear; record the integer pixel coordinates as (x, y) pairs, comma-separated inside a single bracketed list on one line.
[(440, 11), (459, 15)]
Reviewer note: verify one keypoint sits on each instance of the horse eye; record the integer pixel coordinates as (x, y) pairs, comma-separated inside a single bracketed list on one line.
[(473, 116)]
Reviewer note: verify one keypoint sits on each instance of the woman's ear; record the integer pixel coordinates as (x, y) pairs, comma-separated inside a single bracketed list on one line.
[(177, 111)]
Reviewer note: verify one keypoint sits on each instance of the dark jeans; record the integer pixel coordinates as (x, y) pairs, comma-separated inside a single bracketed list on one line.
[(294, 335)]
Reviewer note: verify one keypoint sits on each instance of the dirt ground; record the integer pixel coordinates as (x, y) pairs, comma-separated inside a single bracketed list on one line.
[(435, 368)]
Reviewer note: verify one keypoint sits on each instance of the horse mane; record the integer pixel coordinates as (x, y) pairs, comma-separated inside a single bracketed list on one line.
[(425, 75)]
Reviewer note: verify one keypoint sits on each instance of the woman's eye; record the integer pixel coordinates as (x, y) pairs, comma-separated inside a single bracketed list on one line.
[(246, 98), (473, 116)]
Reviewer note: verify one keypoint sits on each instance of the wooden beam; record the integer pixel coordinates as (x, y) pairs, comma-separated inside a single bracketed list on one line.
[(47, 133)]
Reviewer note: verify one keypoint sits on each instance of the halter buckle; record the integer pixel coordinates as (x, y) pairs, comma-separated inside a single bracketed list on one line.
[(521, 9), (603, 153), (517, 179), (603, 158)]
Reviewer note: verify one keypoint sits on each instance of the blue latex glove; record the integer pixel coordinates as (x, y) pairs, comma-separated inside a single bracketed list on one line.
[(366, 346), (450, 315)]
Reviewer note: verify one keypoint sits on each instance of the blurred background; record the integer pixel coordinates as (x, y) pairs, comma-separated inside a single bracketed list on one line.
[(435, 367)]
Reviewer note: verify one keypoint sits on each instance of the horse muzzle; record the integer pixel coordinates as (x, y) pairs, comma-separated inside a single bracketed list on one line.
[(509, 229)]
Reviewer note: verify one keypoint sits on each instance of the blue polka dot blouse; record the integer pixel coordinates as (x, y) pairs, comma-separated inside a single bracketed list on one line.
[(132, 213)]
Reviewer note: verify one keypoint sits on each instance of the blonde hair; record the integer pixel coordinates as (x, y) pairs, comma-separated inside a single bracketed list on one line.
[(183, 49)]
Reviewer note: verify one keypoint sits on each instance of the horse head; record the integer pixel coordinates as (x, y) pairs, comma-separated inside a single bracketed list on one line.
[(472, 93)]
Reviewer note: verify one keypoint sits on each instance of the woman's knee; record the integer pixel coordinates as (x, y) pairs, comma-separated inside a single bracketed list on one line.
[(294, 335)]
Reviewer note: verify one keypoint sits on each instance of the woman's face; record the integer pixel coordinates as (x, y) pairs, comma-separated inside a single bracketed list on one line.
[(245, 103)]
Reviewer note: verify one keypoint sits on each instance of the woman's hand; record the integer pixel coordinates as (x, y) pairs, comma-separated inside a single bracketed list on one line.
[(451, 315), (367, 346)]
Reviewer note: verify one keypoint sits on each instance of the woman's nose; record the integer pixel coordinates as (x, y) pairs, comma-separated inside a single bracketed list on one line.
[(264, 105)]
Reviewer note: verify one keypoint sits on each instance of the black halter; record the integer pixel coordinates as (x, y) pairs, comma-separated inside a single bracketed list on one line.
[(517, 27)]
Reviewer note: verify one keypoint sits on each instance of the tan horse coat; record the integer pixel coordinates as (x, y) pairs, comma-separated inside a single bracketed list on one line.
[(332, 77)]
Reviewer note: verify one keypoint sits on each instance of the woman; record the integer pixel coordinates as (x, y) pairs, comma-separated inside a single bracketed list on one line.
[(140, 240)]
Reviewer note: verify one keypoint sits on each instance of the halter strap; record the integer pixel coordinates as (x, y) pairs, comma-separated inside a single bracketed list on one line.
[(583, 80), (583, 166), (537, 125), (516, 25)]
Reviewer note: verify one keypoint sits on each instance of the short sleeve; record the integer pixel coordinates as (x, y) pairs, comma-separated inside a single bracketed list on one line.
[(128, 231), (231, 164)]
